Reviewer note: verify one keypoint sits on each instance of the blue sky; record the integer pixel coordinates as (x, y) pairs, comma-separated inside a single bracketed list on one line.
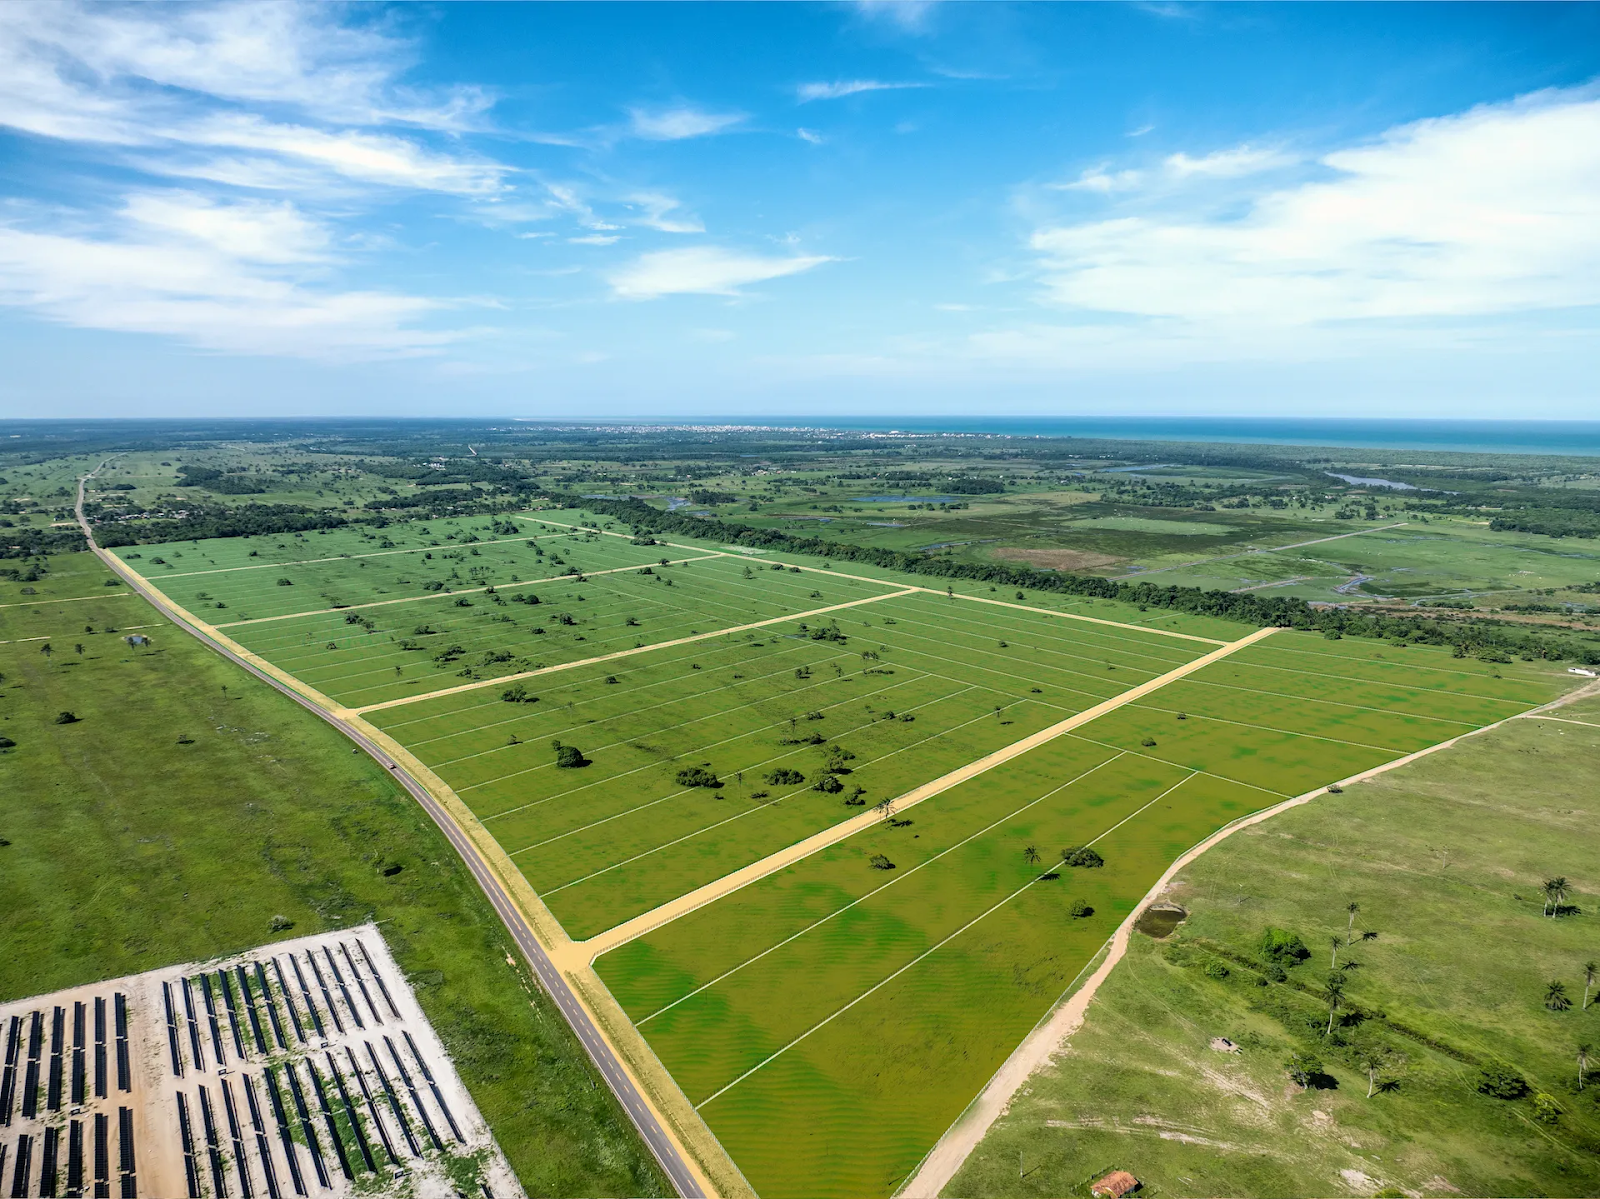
[(678, 210)]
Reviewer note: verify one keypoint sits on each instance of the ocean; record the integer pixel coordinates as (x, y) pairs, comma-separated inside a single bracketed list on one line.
[(1567, 437)]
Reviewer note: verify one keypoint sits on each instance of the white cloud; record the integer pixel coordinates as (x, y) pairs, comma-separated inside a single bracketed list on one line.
[(676, 124), (1493, 211), (706, 270), (847, 87), (595, 239), (810, 135), (909, 15), (1227, 164), (654, 211), (1098, 179), (168, 83), (245, 278)]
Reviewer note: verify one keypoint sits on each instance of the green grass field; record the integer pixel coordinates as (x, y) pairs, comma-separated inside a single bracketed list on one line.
[(614, 839), (188, 805), (1445, 858), (832, 1019), (920, 981)]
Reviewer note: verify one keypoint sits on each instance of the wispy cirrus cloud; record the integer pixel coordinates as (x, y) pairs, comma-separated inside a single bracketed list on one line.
[(680, 122), (704, 270), (839, 88)]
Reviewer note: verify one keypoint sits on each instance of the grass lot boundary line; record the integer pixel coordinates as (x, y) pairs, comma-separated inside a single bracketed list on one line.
[(1266, 728), (1050, 1037), (621, 653), (682, 791), (1307, 699), (433, 595), (1535, 715), (927, 953), (1344, 678), (1317, 653), (729, 686), (728, 883), (801, 790), (860, 899), (71, 599), (1138, 628), (421, 549)]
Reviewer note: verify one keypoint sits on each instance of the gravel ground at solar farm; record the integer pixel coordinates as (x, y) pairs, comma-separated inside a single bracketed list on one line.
[(831, 1020)]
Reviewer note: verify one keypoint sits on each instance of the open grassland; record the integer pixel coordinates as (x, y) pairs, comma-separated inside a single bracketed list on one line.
[(918, 981), (187, 806), (899, 692), (1445, 858), (1435, 558), (399, 651), (234, 579)]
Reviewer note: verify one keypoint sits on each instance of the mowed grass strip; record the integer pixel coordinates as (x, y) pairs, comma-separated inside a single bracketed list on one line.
[(871, 1024), (405, 650)]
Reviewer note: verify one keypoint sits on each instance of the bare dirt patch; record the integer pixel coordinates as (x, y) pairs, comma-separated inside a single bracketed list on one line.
[(1058, 559)]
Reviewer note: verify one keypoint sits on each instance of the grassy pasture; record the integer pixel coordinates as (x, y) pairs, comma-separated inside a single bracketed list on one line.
[(853, 1076), (388, 658), (348, 568), (188, 805), (1445, 857), (621, 836)]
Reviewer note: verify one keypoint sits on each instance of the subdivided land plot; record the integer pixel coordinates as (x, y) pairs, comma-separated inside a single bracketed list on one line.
[(831, 1020), (698, 759)]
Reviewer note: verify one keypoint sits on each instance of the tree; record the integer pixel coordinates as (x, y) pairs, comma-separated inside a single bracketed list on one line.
[(1082, 856), (1501, 1081), (698, 776), (1589, 971), (1350, 927), (1303, 1068), (1333, 962), (1555, 890), (1584, 1050), (1555, 996), (67, 718), (1030, 855), (1283, 947), (1372, 1056), (568, 757), (1333, 993)]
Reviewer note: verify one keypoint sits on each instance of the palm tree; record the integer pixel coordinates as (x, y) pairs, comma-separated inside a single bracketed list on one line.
[(1350, 928), (1333, 962), (1031, 855), (1589, 971), (1333, 992), (1555, 996), (1555, 890), (1584, 1050), (1371, 1057)]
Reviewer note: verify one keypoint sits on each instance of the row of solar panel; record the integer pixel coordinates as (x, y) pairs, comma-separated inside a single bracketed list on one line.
[(54, 1082), (52, 1180)]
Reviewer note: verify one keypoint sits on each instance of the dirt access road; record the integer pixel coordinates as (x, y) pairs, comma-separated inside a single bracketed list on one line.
[(678, 1171)]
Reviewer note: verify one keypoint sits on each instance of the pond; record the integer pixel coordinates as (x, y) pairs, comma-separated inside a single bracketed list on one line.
[(903, 499), (1159, 920), (1361, 481)]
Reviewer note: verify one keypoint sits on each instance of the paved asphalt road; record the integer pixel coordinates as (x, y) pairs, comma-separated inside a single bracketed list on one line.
[(599, 1052)]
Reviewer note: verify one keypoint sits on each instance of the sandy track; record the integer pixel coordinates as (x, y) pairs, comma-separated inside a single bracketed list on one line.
[(1050, 1037), (728, 883)]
